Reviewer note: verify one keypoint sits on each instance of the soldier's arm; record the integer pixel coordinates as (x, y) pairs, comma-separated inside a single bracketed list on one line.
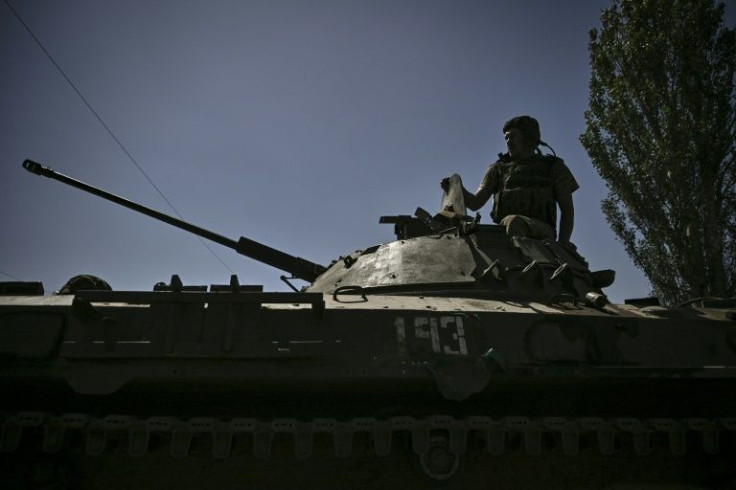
[(487, 186), (564, 186), (567, 216)]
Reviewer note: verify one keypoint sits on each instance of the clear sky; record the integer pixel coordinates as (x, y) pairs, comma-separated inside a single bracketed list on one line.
[(295, 123)]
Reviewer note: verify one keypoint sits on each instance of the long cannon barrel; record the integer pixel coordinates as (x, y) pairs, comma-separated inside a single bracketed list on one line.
[(298, 267)]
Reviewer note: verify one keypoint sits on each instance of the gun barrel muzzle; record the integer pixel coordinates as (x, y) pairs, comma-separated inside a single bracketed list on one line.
[(37, 168)]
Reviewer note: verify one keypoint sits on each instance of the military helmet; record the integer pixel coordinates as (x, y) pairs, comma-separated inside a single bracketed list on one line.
[(527, 126)]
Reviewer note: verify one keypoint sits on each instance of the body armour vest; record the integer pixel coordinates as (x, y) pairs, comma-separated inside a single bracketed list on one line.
[(526, 189)]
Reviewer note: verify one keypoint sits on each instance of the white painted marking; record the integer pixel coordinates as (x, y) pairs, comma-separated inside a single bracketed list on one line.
[(400, 334), (421, 327), (435, 334)]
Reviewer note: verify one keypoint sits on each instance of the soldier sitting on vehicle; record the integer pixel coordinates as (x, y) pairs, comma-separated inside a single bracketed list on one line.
[(527, 186)]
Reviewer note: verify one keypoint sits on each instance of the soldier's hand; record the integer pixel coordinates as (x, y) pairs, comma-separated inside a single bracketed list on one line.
[(445, 184)]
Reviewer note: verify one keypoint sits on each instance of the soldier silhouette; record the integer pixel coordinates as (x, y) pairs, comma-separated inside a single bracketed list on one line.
[(527, 186)]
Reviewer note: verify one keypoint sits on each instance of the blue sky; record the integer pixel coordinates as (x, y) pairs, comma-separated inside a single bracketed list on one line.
[(295, 123)]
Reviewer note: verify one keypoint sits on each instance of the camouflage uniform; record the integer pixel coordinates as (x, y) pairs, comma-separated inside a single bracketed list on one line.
[(525, 193)]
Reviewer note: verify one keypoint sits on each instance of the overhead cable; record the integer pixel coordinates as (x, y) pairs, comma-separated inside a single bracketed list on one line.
[(107, 128)]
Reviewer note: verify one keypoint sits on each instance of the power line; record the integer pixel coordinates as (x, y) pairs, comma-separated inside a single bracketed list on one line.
[(109, 131), (10, 276)]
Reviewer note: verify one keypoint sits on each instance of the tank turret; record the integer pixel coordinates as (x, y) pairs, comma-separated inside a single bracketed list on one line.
[(431, 255)]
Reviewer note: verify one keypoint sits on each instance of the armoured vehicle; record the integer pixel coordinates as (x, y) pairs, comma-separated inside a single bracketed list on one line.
[(453, 355)]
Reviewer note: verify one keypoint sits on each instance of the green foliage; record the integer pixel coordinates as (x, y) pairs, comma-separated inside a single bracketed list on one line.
[(661, 131)]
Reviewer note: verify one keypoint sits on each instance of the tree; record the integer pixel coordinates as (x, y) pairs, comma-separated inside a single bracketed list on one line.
[(661, 131)]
